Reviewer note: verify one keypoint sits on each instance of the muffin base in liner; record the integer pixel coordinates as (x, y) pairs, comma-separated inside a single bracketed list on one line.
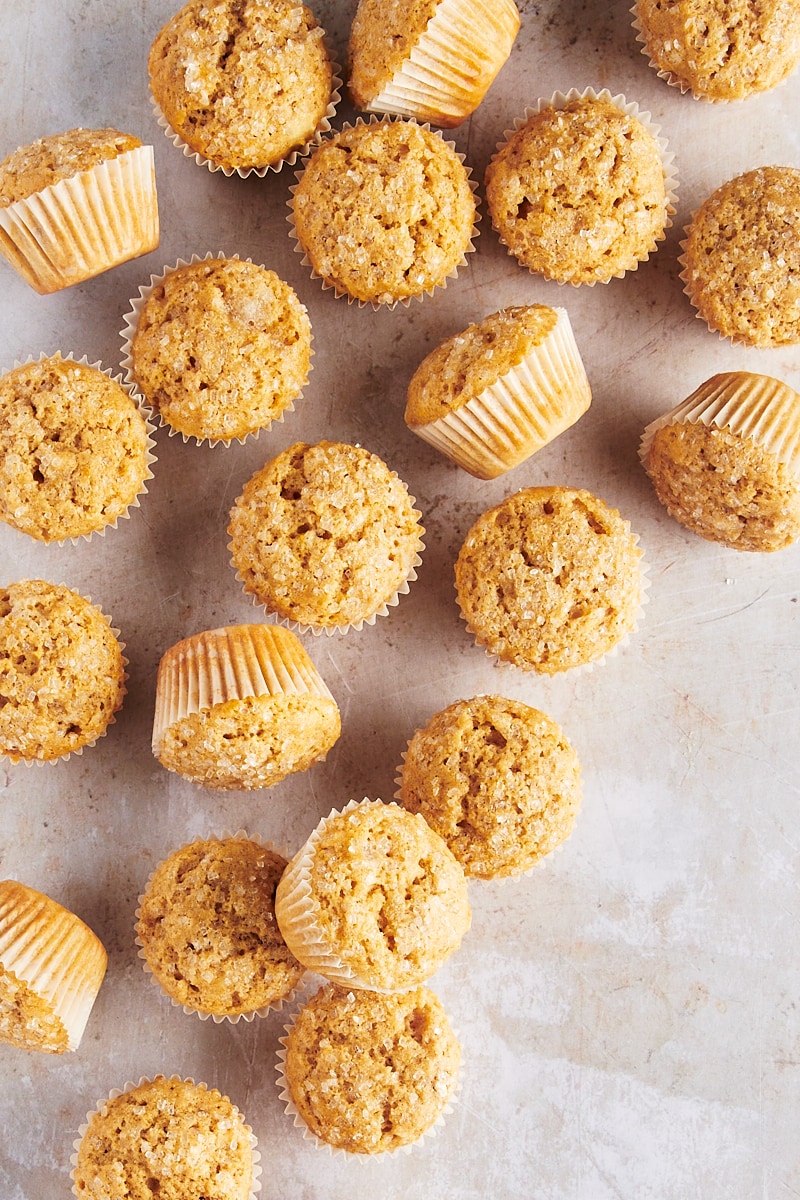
[(150, 457), (49, 949), (389, 305), (260, 172), (452, 64), (630, 108), (255, 1183), (83, 225), (217, 1018), (128, 332), (527, 407)]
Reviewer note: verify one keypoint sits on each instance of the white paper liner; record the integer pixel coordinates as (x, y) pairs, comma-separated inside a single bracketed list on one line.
[(291, 1110), (150, 458), (128, 331), (513, 418), (46, 762), (558, 100), (260, 172), (53, 952), (83, 225), (453, 63), (255, 1183), (377, 305), (241, 835), (758, 408)]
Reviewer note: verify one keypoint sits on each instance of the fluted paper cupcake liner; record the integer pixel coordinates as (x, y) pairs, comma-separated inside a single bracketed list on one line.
[(527, 407), (453, 63), (81, 226), (128, 332), (51, 951), (376, 305)]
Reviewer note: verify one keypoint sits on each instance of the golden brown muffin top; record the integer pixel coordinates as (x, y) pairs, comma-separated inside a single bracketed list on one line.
[(60, 156), (382, 36), (398, 1054)]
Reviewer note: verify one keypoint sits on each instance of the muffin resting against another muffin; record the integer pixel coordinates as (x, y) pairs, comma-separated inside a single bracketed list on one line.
[(219, 348), (325, 535), (207, 930), (497, 779), (550, 579), (62, 672), (384, 211), (726, 461), (242, 83), (396, 1055)]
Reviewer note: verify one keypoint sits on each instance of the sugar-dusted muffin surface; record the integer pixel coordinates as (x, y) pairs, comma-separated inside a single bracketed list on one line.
[(497, 779), (44, 162), (221, 348), (549, 579), (721, 49), (741, 258), (381, 38), (73, 449), (398, 1055), (578, 193), (62, 673), (325, 534), (242, 82), (167, 1137), (206, 925), (384, 210)]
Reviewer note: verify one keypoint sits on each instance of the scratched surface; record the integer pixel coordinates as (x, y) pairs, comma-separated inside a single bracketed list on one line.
[(629, 1014)]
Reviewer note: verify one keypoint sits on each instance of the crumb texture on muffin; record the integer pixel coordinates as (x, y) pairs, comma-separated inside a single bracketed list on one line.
[(497, 779), (206, 925), (74, 449), (44, 162), (371, 1073), (381, 38)]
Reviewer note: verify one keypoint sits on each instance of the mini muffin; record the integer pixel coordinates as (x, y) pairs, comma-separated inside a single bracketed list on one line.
[(384, 211), (726, 462), (219, 347), (74, 449), (550, 579), (429, 59), (62, 672), (720, 49), (374, 899), (241, 707), (741, 258), (207, 930), (580, 192), (491, 396), (497, 779), (243, 85), (326, 536), (173, 1138), (397, 1054), (74, 204), (51, 969)]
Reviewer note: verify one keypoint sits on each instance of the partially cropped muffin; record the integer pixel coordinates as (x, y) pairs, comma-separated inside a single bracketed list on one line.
[(242, 83), (725, 462), (75, 204), (397, 1054), (550, 579), (384, 211), (429, 59), (74, 449), (497, 779), (493, 394), (220, 348), (62, 671), (580, 192), (51, 969), (207, 930), (326, 536)]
